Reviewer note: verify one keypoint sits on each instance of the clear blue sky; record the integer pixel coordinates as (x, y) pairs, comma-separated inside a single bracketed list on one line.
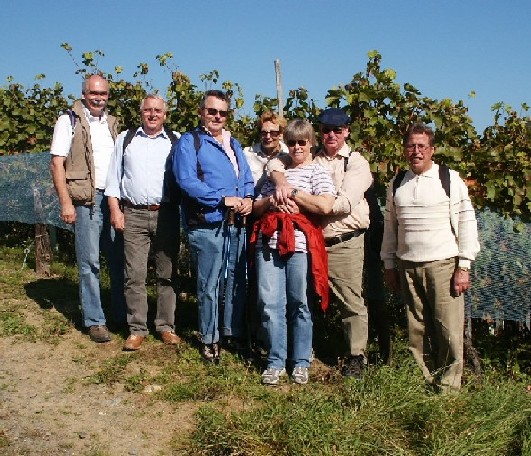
[(445, 48)]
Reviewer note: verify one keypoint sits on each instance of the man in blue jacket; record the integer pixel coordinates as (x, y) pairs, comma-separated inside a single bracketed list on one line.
[(217, 194)]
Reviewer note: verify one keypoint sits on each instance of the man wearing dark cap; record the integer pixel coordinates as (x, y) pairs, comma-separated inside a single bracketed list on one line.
[(343, 230)]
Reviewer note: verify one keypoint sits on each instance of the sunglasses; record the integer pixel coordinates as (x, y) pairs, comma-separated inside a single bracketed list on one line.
[(273, 133), (215, 112), (420, 147), (336, 130), (300, 142)]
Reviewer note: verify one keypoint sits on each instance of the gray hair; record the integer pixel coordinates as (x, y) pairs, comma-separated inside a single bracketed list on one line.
[(299, 129), (153, 96)]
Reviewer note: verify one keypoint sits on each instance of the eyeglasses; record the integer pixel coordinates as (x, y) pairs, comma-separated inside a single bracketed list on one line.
[(273, 133), (420, 147), (215, 112), (152, 110), (336, 130), (300, 142)]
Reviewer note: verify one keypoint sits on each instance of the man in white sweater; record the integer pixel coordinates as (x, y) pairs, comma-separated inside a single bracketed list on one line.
[(430, 239)]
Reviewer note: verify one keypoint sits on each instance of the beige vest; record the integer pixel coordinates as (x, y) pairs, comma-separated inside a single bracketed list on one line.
[(79, 164)]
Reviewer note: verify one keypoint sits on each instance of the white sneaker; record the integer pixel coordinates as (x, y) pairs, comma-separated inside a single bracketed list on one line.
[(271, 376), (300, 375)]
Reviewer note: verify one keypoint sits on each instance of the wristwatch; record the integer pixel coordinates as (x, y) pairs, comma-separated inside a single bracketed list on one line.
[(294, 193), (464, 269)]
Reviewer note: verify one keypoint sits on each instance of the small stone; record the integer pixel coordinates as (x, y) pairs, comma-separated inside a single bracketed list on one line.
[(82, 435), (152, 388)]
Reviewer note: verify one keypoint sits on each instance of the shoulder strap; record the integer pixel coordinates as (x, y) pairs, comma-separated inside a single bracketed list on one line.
[(398, 180), (197, 146), (444, 176), (73, 120), (171, 135), (345, 162), (197, 140), (127, 140)]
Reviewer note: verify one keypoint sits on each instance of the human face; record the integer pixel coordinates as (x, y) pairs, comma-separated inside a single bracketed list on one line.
[(214, 123), (333, 138), (418, 153), (300, 151), (96, 95), (153, 116), (270, 137)]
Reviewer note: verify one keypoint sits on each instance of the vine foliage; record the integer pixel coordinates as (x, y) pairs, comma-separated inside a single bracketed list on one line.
[(495, 164)]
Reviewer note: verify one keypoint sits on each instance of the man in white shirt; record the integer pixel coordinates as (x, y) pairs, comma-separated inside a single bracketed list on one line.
[(139, 181), (430, 239), (83, 142)]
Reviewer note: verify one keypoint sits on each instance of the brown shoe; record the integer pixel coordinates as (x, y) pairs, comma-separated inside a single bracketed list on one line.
[(170, 338), (99, 333), (133, 342)]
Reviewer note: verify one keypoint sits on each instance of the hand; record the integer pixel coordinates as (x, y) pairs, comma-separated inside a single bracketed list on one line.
[(68, 213), (283, 192), (460, 282), (291, 207), (232, 201), (118, 220), (392, 280), (245, 207)]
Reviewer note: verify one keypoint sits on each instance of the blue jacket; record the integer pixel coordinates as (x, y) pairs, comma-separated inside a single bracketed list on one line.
[(206, 175)]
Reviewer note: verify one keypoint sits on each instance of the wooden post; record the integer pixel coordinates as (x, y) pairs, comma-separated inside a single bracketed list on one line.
[(43, 251), (280, 95)]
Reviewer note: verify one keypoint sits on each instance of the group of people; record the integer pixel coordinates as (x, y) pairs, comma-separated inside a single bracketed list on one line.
[(285, 218)]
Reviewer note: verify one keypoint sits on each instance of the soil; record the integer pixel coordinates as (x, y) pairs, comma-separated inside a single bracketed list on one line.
[(47, 406)]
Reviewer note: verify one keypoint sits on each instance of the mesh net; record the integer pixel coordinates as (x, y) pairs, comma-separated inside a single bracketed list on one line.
[(27, 194), (500, 274)]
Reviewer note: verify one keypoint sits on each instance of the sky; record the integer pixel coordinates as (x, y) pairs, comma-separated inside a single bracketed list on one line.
[(446, 49)]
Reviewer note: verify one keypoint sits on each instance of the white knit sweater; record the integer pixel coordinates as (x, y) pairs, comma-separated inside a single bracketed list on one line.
[(420, 217)]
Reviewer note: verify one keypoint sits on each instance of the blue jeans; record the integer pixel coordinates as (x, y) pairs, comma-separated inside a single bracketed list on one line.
[(218, 254), (283, 296), (93, 231)]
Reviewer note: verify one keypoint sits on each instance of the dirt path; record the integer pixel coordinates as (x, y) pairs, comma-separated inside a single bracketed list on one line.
[(47, 407)]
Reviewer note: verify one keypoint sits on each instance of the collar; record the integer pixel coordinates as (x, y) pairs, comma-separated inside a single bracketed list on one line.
[(160, 133), (92, 118), (432, 173), (344, 152)]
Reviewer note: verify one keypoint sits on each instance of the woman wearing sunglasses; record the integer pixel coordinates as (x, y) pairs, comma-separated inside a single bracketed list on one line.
[(271, 127), (291, 257)]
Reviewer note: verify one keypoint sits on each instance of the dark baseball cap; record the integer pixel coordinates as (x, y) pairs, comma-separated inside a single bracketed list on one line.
[(334, 117)]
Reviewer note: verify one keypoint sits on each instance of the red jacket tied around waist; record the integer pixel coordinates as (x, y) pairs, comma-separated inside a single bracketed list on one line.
[(285, 225)]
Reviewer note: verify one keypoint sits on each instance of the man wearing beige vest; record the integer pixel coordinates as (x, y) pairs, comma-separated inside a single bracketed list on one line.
[(82, 146)]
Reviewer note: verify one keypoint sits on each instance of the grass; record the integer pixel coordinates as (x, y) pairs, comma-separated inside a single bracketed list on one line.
[(389, 412)]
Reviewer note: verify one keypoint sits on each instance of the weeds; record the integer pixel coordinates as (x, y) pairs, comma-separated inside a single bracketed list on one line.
[(389, 412)]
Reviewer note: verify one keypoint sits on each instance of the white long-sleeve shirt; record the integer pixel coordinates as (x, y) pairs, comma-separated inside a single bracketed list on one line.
[(420, 217)]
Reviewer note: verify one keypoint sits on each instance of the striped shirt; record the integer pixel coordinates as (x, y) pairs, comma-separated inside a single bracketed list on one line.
[(311, 178)]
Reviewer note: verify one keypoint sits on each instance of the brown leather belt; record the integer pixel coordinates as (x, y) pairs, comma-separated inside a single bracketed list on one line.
[(343, 237), (148, 207)]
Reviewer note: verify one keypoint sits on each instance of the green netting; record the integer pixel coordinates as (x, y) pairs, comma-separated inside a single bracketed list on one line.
[(501, 281), (27, 194), (500, 275)]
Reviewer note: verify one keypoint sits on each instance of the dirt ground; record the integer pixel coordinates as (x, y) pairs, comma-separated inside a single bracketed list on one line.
[(48, 408)]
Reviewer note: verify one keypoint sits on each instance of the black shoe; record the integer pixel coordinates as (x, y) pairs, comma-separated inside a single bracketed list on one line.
[(353, 366), (234, 344)]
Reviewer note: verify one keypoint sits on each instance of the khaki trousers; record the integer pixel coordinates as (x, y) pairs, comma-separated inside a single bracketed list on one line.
[(435, 320), (345, 277)]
